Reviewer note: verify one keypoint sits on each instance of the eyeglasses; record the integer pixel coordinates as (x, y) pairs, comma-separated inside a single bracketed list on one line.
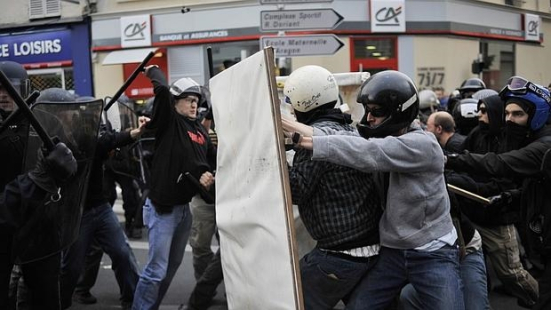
[(191, 99), (482, 110), (520, 86), (376, 112)]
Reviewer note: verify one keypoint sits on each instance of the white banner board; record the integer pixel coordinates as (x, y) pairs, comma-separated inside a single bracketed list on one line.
[(253, 200)]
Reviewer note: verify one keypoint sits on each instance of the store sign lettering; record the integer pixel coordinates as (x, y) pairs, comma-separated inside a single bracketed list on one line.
[(37, 47)]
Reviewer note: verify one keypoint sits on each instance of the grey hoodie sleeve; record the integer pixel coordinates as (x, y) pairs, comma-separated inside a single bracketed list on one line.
[(412, 152)]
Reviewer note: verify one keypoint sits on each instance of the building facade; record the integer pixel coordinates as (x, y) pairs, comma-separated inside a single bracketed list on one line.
[(438, 43), (51, 38)]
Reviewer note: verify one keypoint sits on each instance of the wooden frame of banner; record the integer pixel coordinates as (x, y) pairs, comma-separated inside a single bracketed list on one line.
[(270, 59), (254, 211)]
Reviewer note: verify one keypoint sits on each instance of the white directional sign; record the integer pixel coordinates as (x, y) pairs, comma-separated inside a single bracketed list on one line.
[(308, 45), (292, 1), (279, 20)]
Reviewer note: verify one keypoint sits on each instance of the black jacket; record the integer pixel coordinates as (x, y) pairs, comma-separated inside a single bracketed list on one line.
[(108, 140), (525, 164), (181, 145)]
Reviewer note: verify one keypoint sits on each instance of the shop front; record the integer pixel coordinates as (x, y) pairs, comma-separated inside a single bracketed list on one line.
[(53, 56)]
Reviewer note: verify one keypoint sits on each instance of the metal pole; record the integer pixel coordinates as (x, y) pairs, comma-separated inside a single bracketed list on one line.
[(48, 143), (129, 81)]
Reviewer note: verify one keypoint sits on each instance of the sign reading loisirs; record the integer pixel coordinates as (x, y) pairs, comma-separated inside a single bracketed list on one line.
[(279, 20), (309, 45), (48, 46)]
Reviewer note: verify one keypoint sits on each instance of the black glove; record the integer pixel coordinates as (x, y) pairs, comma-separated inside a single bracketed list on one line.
[(54, 168)]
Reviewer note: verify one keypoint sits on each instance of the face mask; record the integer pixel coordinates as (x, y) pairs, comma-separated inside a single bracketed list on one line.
[(484, 127), (516, 136)]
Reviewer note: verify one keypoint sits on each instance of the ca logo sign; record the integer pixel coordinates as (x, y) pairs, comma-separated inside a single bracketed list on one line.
[(385, 16), (135, 31)]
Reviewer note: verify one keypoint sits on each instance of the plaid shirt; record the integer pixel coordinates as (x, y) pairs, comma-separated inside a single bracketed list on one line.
[(339, 206)]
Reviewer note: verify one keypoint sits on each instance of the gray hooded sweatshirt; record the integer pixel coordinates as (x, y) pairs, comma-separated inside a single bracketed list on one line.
[(417, 209)]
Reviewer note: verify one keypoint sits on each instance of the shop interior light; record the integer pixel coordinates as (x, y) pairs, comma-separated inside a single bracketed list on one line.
[(376, 54), (383, 58), (371, 47)]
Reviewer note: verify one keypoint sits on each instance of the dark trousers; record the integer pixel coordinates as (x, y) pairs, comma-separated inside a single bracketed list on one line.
[(89, 275), (205, 289), (101, 224), (544, 281), (130, 202)]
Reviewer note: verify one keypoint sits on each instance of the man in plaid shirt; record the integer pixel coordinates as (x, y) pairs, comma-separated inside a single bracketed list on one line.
[(339, 206)]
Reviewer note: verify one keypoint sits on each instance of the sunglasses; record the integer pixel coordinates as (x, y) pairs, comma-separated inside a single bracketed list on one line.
[(482, 110), (520, 86), (376, 112)]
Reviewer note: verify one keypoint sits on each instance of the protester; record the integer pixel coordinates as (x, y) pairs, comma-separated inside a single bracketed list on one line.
[(183, 152), (339, 206), (418, 240), (527, 109)]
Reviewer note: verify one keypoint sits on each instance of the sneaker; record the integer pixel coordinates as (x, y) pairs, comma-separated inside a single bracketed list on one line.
[(84, 298)]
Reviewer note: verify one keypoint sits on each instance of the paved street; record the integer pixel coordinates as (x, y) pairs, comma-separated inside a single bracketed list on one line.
[(107, 292)]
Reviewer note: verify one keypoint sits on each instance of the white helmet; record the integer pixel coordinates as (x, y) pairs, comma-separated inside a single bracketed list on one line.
[(185, 85), (310, 87), (427, 99)]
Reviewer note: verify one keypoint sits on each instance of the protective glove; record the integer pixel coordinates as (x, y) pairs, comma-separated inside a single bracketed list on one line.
[(54, 168)]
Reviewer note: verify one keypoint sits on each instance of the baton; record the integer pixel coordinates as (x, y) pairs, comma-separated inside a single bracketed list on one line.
[(30, 100), (468, 194), (211, 65), (48, 143), (130, 79), (196, 183)]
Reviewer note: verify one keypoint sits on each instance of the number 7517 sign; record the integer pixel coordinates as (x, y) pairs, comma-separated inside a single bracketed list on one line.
[(430, 77)]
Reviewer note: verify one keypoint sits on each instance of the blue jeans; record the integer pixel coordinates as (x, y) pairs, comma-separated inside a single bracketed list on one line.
[(434, 275), (328, 278), (475, 292), (100, 223), (168, 236)]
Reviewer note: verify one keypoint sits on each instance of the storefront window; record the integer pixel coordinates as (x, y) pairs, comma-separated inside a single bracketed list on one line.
[(374, 54), (56, 77), (499, 63), (225, 55)]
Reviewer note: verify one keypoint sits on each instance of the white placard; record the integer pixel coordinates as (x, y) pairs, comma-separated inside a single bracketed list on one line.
[(253, 203), (136, 31), (388, 16)]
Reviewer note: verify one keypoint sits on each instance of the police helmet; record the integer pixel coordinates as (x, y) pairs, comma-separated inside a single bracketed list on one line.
[(428, 99), (18, 77), (484, 93), (471, 85), (396, 94), (55, 94)]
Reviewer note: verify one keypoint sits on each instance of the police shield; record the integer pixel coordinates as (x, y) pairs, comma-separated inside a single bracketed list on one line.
[(55, 225), (124, 160)]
